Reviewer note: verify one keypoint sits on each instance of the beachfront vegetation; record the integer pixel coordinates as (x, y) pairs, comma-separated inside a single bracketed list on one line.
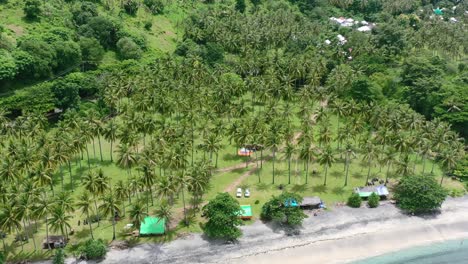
[(284, 209), (222, 213), (114, 110), (354, 200), (373, 200), (93, 249), (419, 194), (59, 257)]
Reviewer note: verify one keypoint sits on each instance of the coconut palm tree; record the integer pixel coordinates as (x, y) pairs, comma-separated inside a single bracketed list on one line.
[(90, 183), (137, 214), (326, 158), (126, 157), (370, 155), (9, 220), (449, 159), (121, 193), (164, 211), (110, 207), (110, 134), (9, 170), (273, 142), (43, 208), (147, 179), (289, 151), (84, 205), (60, 220), (349, 153)]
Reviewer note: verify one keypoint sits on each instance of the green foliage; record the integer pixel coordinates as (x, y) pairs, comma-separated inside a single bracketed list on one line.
[(354, 201), (94, 249), (32, 8), (222, 213), (276, 210), (8, 68), (65, 93), (148, 25), (419, 194), (91, 51), (44, 57), (240, 6), (38, 98), (83, 11), (68, 55), (363, 89), (155, 6), (59, 257), (128, 49), (213, 53), (373, 200), (2, 258), (103, 29), (131, 7), (391, 37)]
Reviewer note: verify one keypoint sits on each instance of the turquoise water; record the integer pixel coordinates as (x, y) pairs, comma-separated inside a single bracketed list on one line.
[(452, 252)]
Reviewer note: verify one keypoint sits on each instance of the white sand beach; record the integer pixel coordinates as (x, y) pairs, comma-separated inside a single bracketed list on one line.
[(337, 236)]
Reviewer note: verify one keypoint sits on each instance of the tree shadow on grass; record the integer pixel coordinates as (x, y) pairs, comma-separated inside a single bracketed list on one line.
[(27, 256), (83, 233), (357, 175), (300, 188), (263, 186), (320, 189), (231, 157), (336, 174), (338, 191)]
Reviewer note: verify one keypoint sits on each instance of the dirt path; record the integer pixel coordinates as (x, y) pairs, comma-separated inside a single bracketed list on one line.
[(231, 187), (232, 168)]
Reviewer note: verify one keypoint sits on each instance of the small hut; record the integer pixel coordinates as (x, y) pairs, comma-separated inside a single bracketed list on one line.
[(54, 242), (365, 192), (244, 152), (311, 203), (152, 226), (246, 212)]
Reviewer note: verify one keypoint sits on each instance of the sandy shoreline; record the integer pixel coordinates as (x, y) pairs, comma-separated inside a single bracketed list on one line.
[(339, 236)]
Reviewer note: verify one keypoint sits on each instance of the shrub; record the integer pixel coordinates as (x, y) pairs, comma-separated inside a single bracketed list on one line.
[(148, 25), (68, 55), (91, 51), (276, 210), (2, 258), (373, 201), (223, 220), (131, 7), (103, 29), (94, 249), (128, 49), (65, 93), (59, 257), (419, 194), (32, 9), (155, 6), (8, 69), (354, 200)]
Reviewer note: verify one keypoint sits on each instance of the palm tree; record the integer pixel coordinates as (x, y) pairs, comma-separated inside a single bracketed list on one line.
[(60, 220), (137, 214), (166, 188), (147, 179), (110, 207), (349, 153), (84, 205), (60, 155), (126, 158), (90, 184), (9, 221), (370, 155), (164, 212), (182, 181), (326, 158), (389, 158), (307, 153), (42, 209), (9, 170), (289, 151), (110, 134), (121, 193), (449, 160), (212, 145), (273, 141)]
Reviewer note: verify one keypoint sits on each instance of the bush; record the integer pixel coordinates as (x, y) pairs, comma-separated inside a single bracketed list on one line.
[(68, 55), (94, 249), (373, 201), (8, 69), (354, 200), (43, 55), (419, 194), (2, 258), (59, 257), (128, 49), (65, 93), (103, 29), (223, 220), (148, 25), (131, 7), (32, 9), (155, 6), (91, 51), (276, 210)]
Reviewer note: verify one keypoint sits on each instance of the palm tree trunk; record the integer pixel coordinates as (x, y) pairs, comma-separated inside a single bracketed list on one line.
[(61, 176), (70, 172), (289, 170), (113, 226), (424, 163), (100, 147), (47, 232), (326, 172), (21, 238), (94, 149), (368, 172), (216, 163), (90, 226), (25, 231), (97, 212), (111, 143), (274, 158), (87, 156), (307, 171), (185, 210), (388, 170), (347, 171)]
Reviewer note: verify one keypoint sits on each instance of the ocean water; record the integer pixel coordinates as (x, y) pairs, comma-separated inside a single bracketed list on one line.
[(453, 252)]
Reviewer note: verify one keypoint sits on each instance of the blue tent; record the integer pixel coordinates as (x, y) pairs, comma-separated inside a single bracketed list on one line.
[(291, 203)]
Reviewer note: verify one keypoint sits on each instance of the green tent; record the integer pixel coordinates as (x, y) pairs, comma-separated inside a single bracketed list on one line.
[(152, 226), (245, 212), (438, 12)]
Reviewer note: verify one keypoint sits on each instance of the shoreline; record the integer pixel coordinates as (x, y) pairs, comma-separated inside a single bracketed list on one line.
[(342, 235)]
